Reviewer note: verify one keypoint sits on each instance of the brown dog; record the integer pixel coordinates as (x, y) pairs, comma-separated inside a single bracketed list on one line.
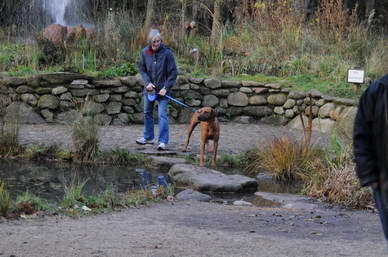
[(210, 130)]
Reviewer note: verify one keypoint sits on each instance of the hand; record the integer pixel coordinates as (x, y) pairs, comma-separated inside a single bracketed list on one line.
[(150, 87), (162, 92)]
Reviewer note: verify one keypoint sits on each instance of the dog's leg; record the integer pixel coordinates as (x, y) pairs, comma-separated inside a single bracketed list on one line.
[(202, 144), (215, 148), (193, 123)]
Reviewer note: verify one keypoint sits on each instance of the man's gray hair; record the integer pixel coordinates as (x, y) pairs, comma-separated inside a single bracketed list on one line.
[(154, 33)]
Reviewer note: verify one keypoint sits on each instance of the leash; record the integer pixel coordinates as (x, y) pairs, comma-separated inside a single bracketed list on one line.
[(152, 97)]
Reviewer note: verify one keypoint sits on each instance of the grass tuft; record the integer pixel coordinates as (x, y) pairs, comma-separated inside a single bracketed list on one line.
[(74, 193), (287, 159), (5, 200)]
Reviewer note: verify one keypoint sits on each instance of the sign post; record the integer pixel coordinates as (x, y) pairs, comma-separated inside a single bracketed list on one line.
[(356, 77)]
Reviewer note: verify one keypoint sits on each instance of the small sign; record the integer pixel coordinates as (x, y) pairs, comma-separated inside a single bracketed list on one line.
[(356, 76)]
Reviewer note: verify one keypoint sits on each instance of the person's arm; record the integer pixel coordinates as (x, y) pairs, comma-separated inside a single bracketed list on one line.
[(172, 72), (143, 70), (363, 141)]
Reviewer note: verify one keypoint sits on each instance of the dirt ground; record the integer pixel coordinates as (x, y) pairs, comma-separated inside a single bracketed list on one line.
[(192, 228)]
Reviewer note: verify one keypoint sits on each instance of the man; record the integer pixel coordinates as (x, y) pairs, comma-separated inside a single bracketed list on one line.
[(370, 141), (158, 70)]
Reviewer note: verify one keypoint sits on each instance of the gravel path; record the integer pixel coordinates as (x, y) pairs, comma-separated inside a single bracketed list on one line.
[(235, 138), (198, 229)]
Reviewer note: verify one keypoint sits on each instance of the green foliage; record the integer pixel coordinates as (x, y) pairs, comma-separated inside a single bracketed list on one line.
[(126, 69), (22, 71), (63, 154), (191, 158), (122, 157), (29, 203), (105, 200), (5, 200), (137, 197), (232, 161), (39, 152), (43, 152), (338, 154)]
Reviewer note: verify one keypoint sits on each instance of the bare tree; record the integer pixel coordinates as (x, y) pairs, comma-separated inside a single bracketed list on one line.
[(216, 26), (183, 16)]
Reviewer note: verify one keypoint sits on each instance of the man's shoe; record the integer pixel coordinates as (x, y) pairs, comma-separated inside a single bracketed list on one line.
[(143, 141), (162, 147)]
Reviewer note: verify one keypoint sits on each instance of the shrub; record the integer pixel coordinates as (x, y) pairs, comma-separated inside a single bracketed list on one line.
[(125, 69), (339, 185), (334, 180)]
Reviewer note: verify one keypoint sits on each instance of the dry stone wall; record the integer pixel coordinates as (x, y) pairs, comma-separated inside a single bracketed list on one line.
[(58, 97)]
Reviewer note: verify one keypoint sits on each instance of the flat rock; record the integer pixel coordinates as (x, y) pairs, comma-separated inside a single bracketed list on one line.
[(289, 201), (242, 203), (24, 113), (156, 152), (54, 78), (208, 180), (191, 195), (163, 163)]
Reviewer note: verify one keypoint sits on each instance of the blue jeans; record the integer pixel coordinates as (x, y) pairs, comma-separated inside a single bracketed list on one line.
[(149, 119), (383, 213)]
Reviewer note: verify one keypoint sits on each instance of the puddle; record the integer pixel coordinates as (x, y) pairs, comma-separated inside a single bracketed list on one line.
[(47, 180), (266, 184)]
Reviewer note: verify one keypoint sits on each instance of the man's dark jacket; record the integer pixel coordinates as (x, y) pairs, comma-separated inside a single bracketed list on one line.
[(158, 67), (370, 134)]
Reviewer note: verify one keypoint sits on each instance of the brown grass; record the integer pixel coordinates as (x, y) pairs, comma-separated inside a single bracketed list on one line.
[(339, 185), (285, 158)]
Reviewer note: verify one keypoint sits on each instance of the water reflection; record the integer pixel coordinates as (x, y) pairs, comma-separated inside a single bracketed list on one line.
[(47, 180)]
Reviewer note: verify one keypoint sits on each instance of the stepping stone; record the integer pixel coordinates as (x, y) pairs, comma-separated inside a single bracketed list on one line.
[(207, 180), (164, 163)]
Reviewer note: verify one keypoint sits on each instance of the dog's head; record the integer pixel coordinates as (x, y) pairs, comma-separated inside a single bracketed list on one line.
[(206, 114)]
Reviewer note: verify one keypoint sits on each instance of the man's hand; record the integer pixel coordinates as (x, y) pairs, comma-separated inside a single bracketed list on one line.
[(162, 92), (150, 87)]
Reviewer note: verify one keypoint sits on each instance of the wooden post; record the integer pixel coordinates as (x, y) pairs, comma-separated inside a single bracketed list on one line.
[(356, 88)]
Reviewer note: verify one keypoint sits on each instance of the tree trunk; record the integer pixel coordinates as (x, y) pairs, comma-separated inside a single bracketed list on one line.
[(183, 18), (149, 15), (216, 26)]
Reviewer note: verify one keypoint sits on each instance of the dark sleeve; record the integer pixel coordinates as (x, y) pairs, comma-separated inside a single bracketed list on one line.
[(363, 142), (143, 70), (172, 72)]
